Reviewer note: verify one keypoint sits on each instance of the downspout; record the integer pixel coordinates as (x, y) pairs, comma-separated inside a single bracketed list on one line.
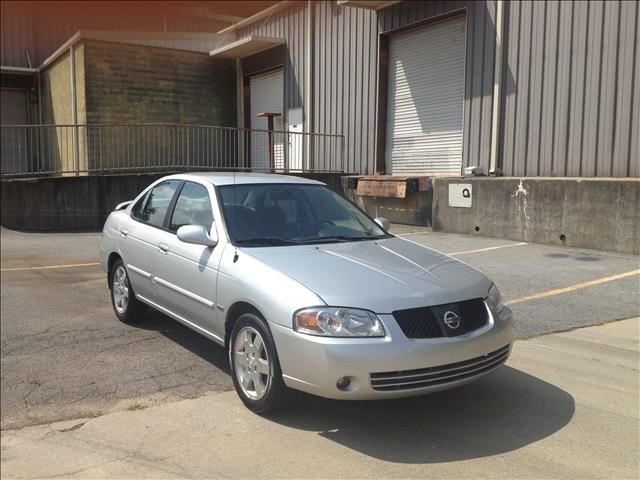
[(308, 91), (74, 110), (240, 112), (40, 160), (497, 79)]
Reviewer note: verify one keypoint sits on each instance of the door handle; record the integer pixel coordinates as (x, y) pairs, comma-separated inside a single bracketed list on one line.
[(164, 248), (124, 232)]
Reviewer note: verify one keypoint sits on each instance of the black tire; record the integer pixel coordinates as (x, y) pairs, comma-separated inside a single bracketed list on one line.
[(134, 309), (276, 393)]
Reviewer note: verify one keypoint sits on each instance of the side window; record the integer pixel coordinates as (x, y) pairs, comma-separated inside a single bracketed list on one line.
[(192, 208), (159, 199), (136, 210)]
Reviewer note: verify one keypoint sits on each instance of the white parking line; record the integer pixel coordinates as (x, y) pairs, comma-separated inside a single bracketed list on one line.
[(477, 250), (47, 267), (572, 288)]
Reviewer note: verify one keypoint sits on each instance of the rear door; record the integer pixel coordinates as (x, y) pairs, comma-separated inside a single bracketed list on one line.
[(186, 274), (139, 236)]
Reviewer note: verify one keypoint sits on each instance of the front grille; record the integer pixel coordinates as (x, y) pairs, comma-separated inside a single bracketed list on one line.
[(428, 377), (427, 322)]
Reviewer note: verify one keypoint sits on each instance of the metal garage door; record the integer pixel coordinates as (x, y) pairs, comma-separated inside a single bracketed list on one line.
[(266, 95), (425, 100), (14, 144)]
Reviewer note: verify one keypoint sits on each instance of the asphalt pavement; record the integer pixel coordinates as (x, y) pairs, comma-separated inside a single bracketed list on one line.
[(63, 354), (565, 406)]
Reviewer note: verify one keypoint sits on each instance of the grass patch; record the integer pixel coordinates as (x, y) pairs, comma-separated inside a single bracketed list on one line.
[(136, 406), (191, 396)]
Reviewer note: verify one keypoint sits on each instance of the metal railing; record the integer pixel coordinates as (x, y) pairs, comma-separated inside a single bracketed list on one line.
[(34, 150)]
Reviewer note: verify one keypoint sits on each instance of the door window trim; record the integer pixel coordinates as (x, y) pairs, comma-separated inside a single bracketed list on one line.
[(172, 202)]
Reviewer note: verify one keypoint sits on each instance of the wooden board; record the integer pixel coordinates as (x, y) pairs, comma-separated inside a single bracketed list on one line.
[(389, 186), (386, 188)]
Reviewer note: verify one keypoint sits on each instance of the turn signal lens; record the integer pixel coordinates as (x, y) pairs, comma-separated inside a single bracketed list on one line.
[(307, 322), (338, 322), (494, 299)]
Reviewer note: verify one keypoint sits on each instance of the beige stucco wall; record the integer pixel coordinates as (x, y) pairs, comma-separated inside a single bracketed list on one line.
[(57, 109)]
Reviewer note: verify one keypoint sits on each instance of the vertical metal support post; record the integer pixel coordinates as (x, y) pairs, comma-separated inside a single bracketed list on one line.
[(308, 101), (497, 78), (74, 111), (39, 164), (239, 112), (271, 156)]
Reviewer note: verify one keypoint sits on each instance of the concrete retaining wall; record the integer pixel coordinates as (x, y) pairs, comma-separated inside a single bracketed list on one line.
[(603, 214), (590, 213), (80, 203)]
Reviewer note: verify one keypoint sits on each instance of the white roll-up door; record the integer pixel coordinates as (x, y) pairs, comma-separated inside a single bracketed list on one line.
[(425, 99), (266, 95)]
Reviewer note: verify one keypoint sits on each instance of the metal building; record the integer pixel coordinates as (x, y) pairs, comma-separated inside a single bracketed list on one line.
[(430, 87)]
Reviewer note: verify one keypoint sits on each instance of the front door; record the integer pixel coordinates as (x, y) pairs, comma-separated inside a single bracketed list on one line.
[(139, 236), (186, 274)]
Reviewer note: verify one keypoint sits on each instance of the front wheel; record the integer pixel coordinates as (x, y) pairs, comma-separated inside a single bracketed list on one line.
[(254, 365)]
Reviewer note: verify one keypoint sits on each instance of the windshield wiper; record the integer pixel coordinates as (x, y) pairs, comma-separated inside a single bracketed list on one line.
[(342, 238), (267, 241)]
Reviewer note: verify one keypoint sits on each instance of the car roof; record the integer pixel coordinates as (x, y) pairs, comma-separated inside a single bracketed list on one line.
[(234, 178)]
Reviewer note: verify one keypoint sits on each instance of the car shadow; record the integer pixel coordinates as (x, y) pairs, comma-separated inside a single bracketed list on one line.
[(206, 349), (499, 413)]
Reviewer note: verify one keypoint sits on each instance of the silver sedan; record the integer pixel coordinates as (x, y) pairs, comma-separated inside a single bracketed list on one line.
[(302, 288)]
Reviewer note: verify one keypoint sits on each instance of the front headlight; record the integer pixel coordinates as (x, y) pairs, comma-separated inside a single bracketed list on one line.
[(338, 322), (494, 299)]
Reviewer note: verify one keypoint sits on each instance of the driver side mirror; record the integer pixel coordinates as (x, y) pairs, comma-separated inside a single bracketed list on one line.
[(383, 223), (197, 235)]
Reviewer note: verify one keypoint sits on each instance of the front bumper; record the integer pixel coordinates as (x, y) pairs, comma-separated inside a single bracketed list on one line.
[(314, 364)]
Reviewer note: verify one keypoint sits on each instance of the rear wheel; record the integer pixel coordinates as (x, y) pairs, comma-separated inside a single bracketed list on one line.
[(126, 306), (254, 365)]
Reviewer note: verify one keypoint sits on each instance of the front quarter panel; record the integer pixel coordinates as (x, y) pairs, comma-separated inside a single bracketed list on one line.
[(274, 294)]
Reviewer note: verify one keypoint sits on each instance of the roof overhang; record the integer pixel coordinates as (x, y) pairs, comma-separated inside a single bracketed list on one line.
[(267, 12), (368, 4), (140, 38), (247, 46)]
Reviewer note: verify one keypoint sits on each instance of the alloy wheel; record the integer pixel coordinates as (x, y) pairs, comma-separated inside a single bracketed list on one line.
[(251, 362)]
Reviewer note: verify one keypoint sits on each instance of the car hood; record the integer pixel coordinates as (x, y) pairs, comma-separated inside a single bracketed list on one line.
[(382, 275)]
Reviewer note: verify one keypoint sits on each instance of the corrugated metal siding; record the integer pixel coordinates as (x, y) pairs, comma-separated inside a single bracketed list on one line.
[(42, 29), (345, 79), (571, 89), (289, 24), (344, 76), (346, 65), (479, 65)]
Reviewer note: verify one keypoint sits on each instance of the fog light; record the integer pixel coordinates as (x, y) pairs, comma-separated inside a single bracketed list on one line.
[(343, 383)]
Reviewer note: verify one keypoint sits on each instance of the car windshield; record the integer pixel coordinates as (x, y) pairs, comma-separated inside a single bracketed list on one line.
[(293, 214)]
